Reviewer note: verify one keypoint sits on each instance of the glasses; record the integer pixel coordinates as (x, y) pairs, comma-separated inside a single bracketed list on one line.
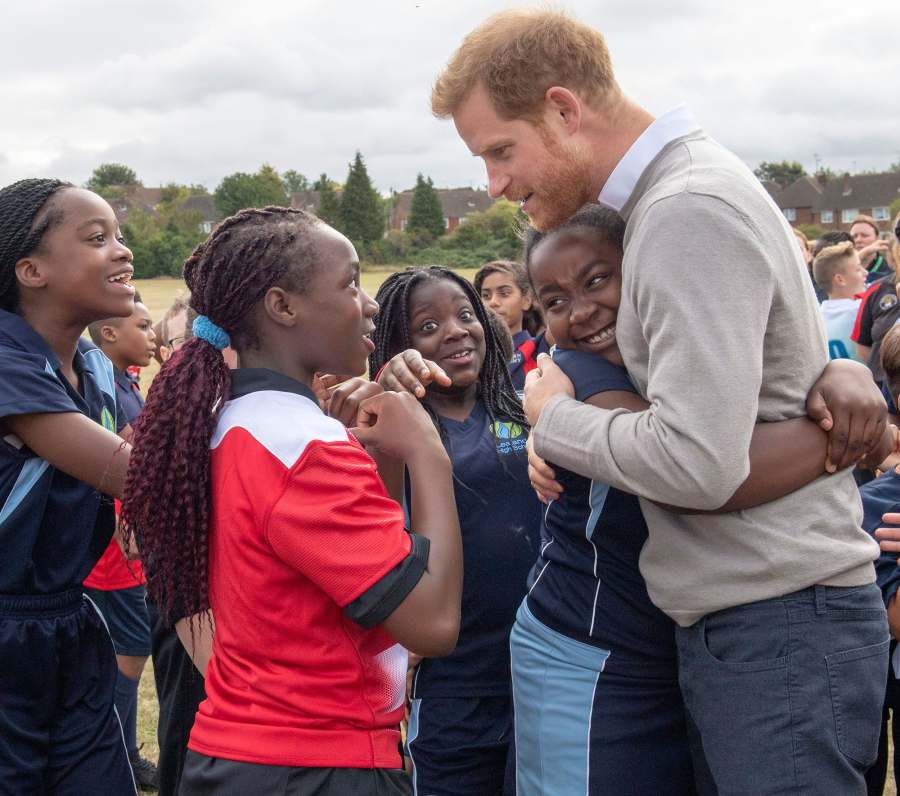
[(176, 342)]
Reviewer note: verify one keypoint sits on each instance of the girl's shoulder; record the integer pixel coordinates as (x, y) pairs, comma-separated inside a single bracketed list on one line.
[(591, 374)]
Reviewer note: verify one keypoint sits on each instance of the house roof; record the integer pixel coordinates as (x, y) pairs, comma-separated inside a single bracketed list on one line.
[(203, 204), (305, 200), (860, 191), (802, 192), (772, 188), (455, 202)]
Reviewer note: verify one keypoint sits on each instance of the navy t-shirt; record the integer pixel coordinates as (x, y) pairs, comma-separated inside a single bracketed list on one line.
[(586, 583), (500, 518), (879, 497), (53, 528), (128, 398)]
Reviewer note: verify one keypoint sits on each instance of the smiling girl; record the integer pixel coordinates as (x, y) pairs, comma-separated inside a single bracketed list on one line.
[(251, 501), (594, 661), (63, 265), (460, 726)]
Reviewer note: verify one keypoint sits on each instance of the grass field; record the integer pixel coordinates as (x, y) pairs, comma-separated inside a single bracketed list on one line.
[(158, 295)]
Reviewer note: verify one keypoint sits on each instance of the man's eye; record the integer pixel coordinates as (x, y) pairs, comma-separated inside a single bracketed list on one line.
[(598, 280)]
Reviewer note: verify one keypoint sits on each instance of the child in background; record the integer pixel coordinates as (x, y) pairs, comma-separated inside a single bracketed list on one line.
[(460, 726), (63, 265), (503, 287), (284, 528), (115, 585), (840, 275)]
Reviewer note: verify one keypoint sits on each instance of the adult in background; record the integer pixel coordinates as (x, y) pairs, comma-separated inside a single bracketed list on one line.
[(718, 329), (880, 308), (874, 253)]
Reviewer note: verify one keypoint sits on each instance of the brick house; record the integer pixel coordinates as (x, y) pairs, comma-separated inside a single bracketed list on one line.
[(456, 203), (203, 204), (844, 198), (798, 200), (127, 198), (833, 204)]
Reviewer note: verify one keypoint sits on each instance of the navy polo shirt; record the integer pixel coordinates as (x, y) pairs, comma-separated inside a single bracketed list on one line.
[(520, 364), (53, 528), (586, 583), (500, 518), (128, 398)]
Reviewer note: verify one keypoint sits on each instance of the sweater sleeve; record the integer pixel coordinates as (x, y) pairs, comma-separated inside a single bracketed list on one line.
[(702, 288)]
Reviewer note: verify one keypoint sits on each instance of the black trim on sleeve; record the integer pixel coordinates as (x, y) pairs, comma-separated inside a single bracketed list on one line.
[(380, 600)]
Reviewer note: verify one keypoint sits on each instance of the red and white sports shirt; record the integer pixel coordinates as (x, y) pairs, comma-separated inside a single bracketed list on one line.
[(307, 554)]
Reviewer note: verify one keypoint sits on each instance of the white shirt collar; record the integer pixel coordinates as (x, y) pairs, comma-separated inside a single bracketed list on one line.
[(621, 183)]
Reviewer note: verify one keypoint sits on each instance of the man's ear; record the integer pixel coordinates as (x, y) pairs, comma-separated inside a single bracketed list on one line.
[(281, 306), (30, 273), (565, 107)]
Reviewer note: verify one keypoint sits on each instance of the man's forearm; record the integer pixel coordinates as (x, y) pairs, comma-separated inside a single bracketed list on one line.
[(636, 452)]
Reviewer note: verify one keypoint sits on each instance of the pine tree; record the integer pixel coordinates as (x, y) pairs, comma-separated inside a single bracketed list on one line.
[(361, 206), (425, 212), (329, 204)]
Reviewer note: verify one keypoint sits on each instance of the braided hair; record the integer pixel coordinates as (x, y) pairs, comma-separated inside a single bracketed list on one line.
[(22, 227), (167, 489), (392, 335)]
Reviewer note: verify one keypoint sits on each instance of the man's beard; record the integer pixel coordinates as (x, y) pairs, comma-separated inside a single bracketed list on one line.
[(564, 187)]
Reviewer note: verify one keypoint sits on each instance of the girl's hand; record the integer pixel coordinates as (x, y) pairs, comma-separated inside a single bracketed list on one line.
[(322, 383), (343, 400), (889, 538), (543, 479), (847, 403), (409, 372), (396, 424)]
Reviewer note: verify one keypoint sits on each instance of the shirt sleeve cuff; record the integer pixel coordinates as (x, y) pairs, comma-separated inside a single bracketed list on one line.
[(543, 431), (381, 599)]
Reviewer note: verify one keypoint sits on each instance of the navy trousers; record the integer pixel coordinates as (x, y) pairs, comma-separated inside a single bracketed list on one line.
[(785, 695)]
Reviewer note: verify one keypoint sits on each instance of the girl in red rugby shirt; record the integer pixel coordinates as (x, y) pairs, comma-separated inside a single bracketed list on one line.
[(275, 517)]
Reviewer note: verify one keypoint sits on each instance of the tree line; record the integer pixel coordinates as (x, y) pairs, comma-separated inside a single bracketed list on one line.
[(163, 237)]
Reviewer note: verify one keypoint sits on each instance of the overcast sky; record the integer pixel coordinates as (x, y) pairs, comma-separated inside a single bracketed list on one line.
[(192, 91)]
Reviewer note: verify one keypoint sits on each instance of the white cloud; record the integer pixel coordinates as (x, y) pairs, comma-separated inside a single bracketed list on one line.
[(194, 91)]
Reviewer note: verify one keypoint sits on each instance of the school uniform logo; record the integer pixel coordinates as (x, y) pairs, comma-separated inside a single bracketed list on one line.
[(107, 420), (510, 437), (887, 301)]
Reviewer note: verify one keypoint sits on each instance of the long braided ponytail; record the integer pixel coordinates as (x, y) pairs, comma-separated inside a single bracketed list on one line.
[(167, 491)]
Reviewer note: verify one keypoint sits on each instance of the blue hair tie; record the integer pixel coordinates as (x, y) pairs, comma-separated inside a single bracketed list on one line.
[(215, 335)]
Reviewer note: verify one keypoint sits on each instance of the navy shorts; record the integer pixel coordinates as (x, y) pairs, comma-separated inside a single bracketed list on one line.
[(215, 776), (461, 746), (59, 731), (582, 729), (125, 612)]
